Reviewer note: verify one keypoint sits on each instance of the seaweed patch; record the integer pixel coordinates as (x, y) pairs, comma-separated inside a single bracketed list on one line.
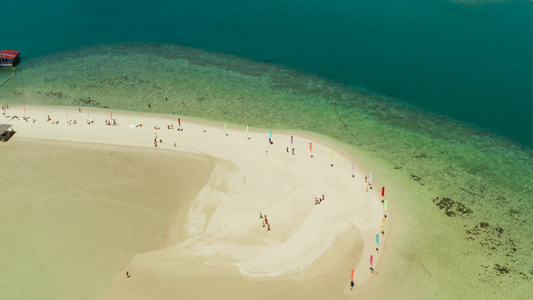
[(452, 208)]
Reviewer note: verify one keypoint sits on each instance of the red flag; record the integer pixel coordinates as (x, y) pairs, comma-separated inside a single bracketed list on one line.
[(179, 122), (310, 146), (383, 191), (371, 260), (352, 274)]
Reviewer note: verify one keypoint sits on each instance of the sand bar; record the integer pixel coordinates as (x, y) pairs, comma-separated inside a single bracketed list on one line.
[(223, 226)]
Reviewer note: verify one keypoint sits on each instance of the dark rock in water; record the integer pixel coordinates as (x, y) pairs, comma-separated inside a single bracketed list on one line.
[(89, 102), (501, 269), (452, 208), (423, 155)]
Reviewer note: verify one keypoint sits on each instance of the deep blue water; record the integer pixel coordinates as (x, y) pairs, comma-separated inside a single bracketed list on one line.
[(471, 63)]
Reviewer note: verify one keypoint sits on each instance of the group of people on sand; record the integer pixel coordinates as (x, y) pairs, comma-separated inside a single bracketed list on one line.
[(109, 123), (319, 200), (369, 185), (292, 150), (265, 221)]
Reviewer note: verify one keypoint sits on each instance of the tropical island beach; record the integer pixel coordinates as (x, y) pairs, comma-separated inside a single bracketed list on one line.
[(96, 211), (222, 182)]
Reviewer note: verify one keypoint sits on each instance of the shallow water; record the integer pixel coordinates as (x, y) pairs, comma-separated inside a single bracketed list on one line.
[(73, 215), (465, 194)]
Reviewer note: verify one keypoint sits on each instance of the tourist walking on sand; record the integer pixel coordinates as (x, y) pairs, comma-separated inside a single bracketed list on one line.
[(351, 285), (268, 227), (260, 215), (128, 274)]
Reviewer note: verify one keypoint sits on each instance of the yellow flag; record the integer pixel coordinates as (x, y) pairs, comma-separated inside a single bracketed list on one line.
[(383, 223), (331, 156)]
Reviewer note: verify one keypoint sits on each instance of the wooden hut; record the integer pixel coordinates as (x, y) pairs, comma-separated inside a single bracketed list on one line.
[(8, 58)]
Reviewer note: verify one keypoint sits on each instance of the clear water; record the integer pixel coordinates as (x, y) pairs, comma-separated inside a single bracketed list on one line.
[(433, 96), (469, 62)]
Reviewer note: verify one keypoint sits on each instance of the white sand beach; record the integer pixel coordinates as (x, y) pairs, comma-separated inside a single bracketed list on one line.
[(215, 244)]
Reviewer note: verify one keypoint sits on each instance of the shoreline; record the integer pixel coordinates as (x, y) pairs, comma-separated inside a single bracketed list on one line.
[(195, 143)]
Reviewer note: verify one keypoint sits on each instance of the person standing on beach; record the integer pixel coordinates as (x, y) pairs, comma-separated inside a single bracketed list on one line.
[(128, 274), (268, 229), (260, 215), (351, 285)]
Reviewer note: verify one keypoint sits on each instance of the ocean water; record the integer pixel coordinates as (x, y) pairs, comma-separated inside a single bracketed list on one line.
[(469, 62), (433, 97)]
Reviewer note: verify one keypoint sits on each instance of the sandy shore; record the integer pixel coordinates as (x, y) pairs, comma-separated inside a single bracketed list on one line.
[(310, 249)]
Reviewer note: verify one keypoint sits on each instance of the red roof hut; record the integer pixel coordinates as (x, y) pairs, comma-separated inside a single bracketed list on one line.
[(8, 58)]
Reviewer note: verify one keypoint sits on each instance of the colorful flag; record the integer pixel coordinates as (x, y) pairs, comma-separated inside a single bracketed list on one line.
[(385, 205), (270, 134), (331, 156), (179, 122), (292, 139), (370, 178), (383, 222), (383, 191), (310, 146), (352, 274), (371, 260), (224, 126), (377, 239)]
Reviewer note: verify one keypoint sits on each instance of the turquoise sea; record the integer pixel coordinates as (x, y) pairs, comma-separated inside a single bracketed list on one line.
[(435, 97)]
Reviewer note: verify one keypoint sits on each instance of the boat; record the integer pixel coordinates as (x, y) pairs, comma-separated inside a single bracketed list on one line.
[(9, 58)]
